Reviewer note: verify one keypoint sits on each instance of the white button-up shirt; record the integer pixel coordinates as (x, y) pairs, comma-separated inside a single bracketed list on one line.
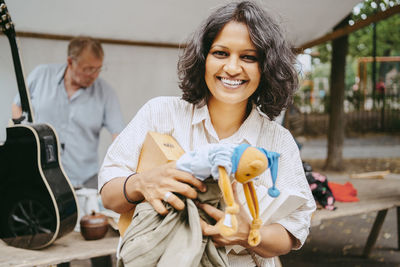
[(192, 128)]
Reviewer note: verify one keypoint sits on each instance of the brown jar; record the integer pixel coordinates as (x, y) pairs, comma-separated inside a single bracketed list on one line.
[(94, 226)]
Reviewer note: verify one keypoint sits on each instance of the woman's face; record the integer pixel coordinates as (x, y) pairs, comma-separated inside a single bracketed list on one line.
[(232, 70)]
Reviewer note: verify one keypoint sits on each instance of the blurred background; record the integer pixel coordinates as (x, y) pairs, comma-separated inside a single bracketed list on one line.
[(372, 77)]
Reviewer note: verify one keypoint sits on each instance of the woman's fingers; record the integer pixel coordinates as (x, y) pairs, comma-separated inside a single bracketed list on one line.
[(166, 178), (182, 188), (181, 182), (187, 178), (175, 202), (172, 199), (213, 232), (207, 229), (174, 180), (159, 207), (213, 212)]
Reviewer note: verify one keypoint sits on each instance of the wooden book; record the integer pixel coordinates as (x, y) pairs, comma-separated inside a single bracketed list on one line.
[(157, 149)]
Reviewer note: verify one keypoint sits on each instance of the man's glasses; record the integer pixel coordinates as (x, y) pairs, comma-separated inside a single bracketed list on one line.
[(91, 70)]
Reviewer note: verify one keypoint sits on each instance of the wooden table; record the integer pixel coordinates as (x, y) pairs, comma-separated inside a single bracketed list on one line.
[(376, 195), (70, 247)]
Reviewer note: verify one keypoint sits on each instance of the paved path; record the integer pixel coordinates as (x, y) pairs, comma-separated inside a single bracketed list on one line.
[(379, 146)]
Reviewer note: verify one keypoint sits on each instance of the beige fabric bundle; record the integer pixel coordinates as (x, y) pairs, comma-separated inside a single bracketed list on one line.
[(173, 240)]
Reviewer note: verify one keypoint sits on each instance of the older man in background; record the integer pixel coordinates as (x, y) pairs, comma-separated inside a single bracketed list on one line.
[(78, 104), (72, 98)]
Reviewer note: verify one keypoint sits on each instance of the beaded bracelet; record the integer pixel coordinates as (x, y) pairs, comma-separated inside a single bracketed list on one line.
[(126, 196)]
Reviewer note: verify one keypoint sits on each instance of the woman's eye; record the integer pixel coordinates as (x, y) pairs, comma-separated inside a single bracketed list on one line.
[(249, 58), (220, 53)]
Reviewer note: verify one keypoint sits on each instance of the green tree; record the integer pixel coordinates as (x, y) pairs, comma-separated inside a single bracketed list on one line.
[(360, 42), (388, 31)]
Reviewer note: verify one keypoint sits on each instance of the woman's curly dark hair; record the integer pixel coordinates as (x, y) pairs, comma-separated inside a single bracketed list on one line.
[(277, 61)]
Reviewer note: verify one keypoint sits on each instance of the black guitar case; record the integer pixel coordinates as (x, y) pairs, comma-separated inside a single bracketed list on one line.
[(37, 201)]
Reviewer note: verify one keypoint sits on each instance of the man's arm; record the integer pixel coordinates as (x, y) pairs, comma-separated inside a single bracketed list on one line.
[(16, 111)]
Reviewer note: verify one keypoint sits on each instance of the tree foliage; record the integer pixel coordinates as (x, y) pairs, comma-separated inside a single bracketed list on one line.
[(388, 31), (360, 41)]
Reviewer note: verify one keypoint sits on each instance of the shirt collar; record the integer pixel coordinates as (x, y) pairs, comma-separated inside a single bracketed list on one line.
[(200, 114), (251, 127), (249, 131), (60, 73)]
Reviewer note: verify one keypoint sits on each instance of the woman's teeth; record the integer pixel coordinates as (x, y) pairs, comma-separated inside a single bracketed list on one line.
[(232, 82)]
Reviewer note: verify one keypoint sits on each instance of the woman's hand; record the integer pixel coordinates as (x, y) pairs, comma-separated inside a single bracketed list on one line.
[(275, 239), (241, 236), (154, 184)]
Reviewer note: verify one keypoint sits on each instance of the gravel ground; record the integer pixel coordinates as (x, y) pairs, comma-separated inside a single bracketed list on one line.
[(340, 242)]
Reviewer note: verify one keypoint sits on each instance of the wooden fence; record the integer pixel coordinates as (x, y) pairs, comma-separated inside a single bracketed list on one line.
[(383, 118)]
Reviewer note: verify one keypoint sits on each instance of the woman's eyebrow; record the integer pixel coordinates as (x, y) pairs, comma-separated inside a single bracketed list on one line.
[(224, 47)]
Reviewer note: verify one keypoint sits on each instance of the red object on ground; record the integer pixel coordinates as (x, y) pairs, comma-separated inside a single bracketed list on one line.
[(344, 192)]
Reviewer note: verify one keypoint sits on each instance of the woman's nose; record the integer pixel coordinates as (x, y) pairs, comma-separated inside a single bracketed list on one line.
[(232, 66)]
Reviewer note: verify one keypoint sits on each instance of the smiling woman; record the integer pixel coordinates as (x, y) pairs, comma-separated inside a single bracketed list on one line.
[(237, 74), (274, 57)]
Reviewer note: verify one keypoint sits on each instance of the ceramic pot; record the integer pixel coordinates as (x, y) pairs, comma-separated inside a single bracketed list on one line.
[(94, 226)]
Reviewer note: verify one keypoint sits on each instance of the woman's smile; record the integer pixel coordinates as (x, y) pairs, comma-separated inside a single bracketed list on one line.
[(231, 83)]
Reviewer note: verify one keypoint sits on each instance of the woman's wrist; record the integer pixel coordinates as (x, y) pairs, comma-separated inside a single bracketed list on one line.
[(132, 196), (243, 235)]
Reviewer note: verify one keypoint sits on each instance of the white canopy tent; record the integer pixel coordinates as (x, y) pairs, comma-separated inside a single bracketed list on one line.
[(165, 21), (138, 72)]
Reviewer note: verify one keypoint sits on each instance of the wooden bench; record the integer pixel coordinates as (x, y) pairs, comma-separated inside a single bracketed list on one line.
[(68, 248), (375, 195)]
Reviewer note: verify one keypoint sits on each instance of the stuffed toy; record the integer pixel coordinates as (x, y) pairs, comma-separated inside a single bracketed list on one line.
[(242, 163)]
